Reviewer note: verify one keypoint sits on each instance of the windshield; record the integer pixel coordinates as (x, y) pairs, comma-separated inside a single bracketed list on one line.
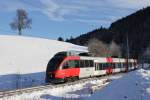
[(54, 63)]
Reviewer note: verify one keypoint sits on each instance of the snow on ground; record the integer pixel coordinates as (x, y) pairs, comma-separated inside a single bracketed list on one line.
[(79, 91), (133, 86), (26, 58)]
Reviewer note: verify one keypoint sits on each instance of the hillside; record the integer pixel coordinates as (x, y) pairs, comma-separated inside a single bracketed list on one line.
[(27, 58), (135, 25), (137, 28)]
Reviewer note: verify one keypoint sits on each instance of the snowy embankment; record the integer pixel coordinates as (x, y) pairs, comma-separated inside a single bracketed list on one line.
[(26, 58), (133, 86), (79, 91)]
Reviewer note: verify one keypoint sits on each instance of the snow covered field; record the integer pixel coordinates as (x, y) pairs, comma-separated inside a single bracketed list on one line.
[(23, 60)]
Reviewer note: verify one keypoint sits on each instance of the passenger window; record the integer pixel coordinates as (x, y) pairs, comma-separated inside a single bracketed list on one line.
[(100, 67), (129, 64), (124, 65), (81, 63), (77, 63), (105, 65), (86, 63), (116, 65), (113, 65), (119, 65), (91, 63), (95, 66)]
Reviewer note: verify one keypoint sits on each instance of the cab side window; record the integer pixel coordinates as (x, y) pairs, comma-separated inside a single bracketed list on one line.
[(77, 63), (82, 63), (65, 65), (70, 64)]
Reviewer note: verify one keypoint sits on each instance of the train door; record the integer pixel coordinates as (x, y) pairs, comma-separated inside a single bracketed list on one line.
[(86, 68), (99, 69), (96, 65)]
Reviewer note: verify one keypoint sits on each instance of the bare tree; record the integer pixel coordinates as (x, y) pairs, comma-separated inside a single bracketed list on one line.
[(114, 49), (21, 21), (97, 48)]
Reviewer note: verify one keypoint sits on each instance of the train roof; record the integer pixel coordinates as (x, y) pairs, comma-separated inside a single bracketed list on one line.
[(105, 59), (87, 56)]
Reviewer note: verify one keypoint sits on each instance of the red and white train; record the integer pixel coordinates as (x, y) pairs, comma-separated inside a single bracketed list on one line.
[(66, 66)]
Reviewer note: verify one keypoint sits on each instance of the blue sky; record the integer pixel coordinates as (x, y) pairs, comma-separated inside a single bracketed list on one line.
[(54, 18)]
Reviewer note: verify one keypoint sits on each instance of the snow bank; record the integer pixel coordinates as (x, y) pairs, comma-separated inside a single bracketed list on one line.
[(134, 86), (27, 58)]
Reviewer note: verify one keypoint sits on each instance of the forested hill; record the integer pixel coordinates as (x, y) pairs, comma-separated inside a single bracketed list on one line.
[(136, 26)]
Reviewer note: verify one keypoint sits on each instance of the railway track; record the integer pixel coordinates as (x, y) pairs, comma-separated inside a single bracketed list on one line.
[(50, 86)]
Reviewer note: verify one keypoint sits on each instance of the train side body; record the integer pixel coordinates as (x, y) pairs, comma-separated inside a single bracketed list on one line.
[(76, 67)]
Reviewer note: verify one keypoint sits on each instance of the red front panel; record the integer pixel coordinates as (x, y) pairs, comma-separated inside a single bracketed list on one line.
[(70, 72)]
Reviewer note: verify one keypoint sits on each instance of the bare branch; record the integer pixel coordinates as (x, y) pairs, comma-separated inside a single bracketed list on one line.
[(97, 48), (115, 49), (21, 21)]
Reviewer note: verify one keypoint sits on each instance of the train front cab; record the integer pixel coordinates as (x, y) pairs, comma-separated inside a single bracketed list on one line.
[(52, 68), (61, 68), (69, 69)]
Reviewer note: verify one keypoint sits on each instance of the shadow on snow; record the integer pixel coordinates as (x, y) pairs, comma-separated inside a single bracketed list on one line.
[(16, 81)]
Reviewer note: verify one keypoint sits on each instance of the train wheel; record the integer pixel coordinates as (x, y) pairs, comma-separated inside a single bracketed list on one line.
[(75, 78), (65, 80), (72, 79)]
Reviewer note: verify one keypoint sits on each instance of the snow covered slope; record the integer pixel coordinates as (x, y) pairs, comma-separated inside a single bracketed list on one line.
[(23, 60), (27, 55)]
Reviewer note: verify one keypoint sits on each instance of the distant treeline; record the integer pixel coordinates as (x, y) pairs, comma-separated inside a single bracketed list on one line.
[(136, 26)]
